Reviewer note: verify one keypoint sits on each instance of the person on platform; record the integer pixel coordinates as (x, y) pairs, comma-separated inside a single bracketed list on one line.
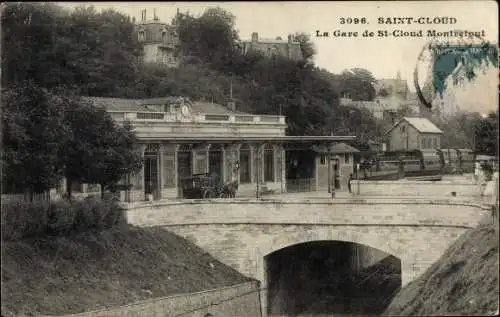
[(349, 183)]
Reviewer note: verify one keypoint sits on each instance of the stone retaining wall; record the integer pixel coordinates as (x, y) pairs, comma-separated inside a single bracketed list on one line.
[(238, 300)]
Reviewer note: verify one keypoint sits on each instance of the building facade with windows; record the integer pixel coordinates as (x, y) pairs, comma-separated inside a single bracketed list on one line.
[(414, 134), (160, 41), (392, 96), (179, 138), (273, 47)]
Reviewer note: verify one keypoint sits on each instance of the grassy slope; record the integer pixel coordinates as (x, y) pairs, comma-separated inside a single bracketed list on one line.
[(91, 271), (463, 282)]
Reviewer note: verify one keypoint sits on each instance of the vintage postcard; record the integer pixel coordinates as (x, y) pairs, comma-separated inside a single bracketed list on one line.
[(249, 159)]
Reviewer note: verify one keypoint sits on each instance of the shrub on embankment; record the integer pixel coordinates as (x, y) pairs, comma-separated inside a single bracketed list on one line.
[(22, 219), (464, 281)]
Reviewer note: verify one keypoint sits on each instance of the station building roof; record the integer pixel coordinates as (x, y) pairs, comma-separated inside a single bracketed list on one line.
[(147, 105)]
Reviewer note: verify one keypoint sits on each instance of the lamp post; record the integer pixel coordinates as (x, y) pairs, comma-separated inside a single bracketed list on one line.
[(258, 163), (357, 177)]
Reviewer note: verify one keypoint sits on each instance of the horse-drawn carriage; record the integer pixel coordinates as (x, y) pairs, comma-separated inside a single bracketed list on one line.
[(204, 186)]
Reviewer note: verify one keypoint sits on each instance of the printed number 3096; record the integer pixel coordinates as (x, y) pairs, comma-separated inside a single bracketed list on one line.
[(353, 21)]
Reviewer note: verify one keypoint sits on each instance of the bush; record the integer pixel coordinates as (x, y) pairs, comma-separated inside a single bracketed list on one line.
[(21, 219)]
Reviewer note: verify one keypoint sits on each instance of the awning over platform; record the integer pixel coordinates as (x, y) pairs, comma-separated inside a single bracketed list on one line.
[(335, 149)]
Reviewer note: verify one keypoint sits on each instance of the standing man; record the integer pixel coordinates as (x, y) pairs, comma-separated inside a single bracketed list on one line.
[(349, 183)]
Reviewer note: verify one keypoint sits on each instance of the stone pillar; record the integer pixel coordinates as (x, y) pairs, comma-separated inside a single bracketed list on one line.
[(207, 157), (235, 157), (194, 168), (137, 179), (169, 171), (160, 171), (227, 157), (258, 164), (223, 177), (143, 148), (176, 164), (262, 163), (279, 169), (261, 275), (253, 164)]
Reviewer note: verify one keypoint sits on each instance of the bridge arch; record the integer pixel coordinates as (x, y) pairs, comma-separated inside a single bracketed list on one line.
[(336, 234), (329, 277)]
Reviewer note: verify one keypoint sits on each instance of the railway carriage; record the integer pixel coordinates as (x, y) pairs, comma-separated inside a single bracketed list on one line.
[(467, 159), (414, 163), (432, 161), (451, 160)]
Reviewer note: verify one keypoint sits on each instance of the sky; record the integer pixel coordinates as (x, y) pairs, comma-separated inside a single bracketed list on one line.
[(383, 56)]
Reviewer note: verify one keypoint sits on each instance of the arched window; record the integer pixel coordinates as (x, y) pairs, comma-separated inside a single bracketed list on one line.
[(164, 36), (268, 163), (141, 35), (274, 51), (215, 160), (245, 164)]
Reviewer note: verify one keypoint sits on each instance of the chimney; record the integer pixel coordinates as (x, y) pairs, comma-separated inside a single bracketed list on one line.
[(145, 15), (255, 37)]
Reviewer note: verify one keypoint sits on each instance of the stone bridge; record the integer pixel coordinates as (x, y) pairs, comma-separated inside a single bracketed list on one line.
[(242, 233)]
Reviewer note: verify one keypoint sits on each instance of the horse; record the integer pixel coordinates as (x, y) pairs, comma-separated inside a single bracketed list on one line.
[(229, 190)]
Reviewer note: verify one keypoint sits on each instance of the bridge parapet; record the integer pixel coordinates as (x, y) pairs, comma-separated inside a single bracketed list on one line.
[(417, 188), (347, 211)]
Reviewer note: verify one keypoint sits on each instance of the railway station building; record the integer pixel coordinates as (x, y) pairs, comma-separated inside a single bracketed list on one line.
[(179, 138)]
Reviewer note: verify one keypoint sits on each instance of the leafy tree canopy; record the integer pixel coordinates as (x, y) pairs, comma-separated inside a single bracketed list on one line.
[(32, 124), (51, 134)]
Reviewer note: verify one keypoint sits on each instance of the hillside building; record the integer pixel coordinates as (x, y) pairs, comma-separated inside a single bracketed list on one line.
[(273, 47), (160, 41), (392, 95)]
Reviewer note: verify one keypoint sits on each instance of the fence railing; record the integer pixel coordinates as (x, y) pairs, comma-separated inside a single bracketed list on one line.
[(38, 197), (300, 185), (199, 117)]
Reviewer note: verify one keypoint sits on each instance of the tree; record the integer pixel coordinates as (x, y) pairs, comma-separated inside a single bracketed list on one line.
[(384, 92), (358, 83), (306, 46), (53, 47), (486, 135), (102, 52), (33, 124), (211, 37), (404, 110), (97, 151), (30, 49)]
